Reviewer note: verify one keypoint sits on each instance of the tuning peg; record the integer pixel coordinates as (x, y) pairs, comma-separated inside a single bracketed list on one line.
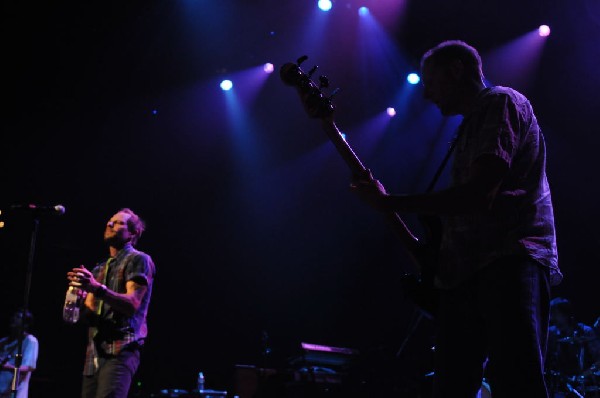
[(313, 70), (323, 81), (301, 59)]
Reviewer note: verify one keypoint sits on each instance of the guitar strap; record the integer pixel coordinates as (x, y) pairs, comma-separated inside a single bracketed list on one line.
[(442, 165), (419, 315), (453, 144)]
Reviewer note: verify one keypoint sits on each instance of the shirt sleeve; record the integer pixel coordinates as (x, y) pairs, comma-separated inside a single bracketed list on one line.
[(141, 269), (30, 351), (499, 128)]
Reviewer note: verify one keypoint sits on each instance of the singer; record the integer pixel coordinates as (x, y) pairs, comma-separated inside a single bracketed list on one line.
[(115, 308)]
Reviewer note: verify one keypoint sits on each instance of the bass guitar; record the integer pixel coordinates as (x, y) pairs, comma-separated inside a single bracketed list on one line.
[(417, 283)]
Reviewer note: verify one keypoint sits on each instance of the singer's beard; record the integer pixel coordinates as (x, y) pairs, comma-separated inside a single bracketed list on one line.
[(115, 241)]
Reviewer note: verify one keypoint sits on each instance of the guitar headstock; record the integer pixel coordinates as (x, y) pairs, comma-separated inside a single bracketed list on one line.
[(315, 102)]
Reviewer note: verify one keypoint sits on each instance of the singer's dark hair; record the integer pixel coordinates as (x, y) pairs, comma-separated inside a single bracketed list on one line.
[(135, 225), (452, 50)]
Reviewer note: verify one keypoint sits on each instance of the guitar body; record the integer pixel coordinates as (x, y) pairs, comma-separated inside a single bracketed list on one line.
[(421, 288), (433, 240), (418, 286)]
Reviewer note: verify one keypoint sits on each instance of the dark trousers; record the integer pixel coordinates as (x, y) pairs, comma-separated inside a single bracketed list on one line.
[(114, 376), (501, 317)]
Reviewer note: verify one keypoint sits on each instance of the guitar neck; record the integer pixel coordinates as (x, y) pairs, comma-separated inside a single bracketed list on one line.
[(408, 239), (344, 149)]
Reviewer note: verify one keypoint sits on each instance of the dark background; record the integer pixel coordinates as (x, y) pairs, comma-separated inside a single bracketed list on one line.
[(250, 222)]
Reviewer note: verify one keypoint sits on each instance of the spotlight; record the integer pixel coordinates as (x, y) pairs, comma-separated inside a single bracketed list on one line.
[(226, 85), (391, 112), (363, 11), (544, 30), (413, 78), (325, 5), (268, 67)]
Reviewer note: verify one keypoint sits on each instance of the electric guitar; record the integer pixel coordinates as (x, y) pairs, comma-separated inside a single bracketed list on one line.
[(417, 284)]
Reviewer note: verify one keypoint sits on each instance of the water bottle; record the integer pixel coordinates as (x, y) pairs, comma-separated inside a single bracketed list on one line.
[(72, 305), (200, 381)]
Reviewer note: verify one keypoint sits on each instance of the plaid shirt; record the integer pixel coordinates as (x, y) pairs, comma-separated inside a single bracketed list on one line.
[(520, 220), (112, 331)]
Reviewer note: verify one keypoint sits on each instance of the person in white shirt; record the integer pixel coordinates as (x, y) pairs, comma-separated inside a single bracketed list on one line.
[(20, 324)]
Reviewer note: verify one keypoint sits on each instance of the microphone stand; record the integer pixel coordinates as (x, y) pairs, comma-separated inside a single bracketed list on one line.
[(20, 327), (412, 327)]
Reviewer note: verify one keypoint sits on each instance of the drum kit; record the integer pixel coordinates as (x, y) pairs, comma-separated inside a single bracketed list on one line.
[(584, 383), (184, 393)]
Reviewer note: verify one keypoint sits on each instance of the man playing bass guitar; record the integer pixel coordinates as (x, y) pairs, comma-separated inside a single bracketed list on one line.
[(498, 257)]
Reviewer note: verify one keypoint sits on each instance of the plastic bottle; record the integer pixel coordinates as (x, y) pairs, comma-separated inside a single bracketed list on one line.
[(72, 305), (200, 381)]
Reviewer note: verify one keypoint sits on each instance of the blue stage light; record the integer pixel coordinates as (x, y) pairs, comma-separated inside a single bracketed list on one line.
[(413, 78), (226, 85), (363, 11), (325, 5)]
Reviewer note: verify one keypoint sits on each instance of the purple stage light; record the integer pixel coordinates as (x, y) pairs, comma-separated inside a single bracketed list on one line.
[(544, 30), (268, 67), (391, 112)]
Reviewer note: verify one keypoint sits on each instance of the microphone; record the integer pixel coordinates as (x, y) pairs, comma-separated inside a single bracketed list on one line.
[(39, 210)]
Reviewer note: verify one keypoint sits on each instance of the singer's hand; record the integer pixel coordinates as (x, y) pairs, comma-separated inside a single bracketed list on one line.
[(82, 278), (370, 191)]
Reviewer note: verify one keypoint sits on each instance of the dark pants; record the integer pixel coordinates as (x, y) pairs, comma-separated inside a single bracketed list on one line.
[(500, 316), (114, 376)]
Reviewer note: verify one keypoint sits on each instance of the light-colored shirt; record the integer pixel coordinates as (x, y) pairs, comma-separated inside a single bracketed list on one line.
[(8, 349), (520, 221)]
